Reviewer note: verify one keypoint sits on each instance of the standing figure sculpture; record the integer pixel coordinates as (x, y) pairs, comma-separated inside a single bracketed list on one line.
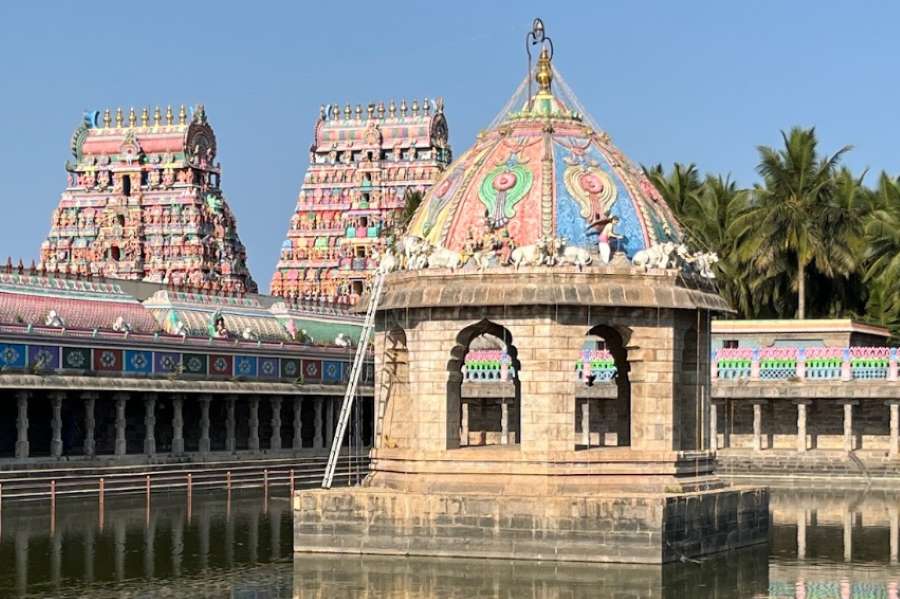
[(604, 227)]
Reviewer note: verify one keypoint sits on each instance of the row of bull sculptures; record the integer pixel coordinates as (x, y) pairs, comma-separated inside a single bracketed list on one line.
[(415, 253)]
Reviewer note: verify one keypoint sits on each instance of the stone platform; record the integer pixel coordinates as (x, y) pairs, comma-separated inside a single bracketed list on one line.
[(651, 528)]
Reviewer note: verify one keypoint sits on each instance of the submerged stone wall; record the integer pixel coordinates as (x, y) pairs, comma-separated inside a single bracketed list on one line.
[(630, 528)]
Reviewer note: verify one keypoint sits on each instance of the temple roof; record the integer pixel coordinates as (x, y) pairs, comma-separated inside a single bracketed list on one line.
[(544, 170), (171, 137), (381, 127)]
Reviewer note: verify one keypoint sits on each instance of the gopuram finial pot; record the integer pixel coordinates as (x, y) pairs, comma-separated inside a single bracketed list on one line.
[(542, 360)]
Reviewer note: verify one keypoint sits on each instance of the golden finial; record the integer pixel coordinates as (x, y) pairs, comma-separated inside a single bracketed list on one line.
[(322, 112), (371, 110), (381, 110), (118, 117), (107, 119), (403, 107), (145, 116), (169, 116), (157, 117), (132, 119), (392, 108), (358, 112), (415, 107), (426, 106), (544, 73), (182, 115), (347, 112)]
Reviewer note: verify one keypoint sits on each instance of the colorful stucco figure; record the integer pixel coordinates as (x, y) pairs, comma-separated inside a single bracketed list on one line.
[(363, 165), (143, 201)]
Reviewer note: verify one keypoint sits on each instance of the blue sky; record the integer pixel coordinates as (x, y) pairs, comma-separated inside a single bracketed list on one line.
[(702, 82)]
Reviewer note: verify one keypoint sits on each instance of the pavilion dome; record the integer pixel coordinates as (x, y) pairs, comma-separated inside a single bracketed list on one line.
[(544, 170)]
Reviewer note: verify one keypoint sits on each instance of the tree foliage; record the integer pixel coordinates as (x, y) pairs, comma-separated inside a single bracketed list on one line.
[(810, 240)]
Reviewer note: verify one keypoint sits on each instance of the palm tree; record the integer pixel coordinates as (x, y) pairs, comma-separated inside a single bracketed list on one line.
[(677, 186), (782, 232), (882, 231)]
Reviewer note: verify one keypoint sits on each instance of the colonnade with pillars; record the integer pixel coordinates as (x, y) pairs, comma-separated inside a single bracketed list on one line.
[(722, 424), (78, 422)]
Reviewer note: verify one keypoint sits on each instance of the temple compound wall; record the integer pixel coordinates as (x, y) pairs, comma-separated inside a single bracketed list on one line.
[(813, 397), (101, 372)]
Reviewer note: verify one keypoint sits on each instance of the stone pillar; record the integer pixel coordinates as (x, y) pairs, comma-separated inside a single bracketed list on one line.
[(177, 543), (894, 405), (586, 424), (119, 539), (275, 439), (21, 550), (121, 399), (504, 421), (203, 445), (801, 424), (894, 533), (88, 552), (848, 536), (298, 424), (204, 539), (150, 547), (801, 534), (713, 427), (231, 424), (848, 425), (319, 424), (253, 535), (253, 422), (56, 559), (757, 426), (22, 447), (150, 424), (464, 424), (177, 424), (56, 444), (90, 400), (329, 421)]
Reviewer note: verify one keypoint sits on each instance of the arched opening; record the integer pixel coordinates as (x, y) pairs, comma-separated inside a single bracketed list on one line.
[(120, 220), (394, 389), (483, 389), (603, 391), (126, 185), (114, 253), (689, 414)]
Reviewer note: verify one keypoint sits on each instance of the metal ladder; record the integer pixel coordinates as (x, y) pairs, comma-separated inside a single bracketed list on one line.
[(355, 372)]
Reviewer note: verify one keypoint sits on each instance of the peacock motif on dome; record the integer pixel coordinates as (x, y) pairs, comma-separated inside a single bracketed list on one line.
[(503, 188)]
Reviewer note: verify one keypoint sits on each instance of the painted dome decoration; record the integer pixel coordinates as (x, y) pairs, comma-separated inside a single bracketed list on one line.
[(544, 176)]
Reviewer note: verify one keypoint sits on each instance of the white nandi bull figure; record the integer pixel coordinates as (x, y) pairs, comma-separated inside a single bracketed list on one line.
[(530, 255), (444, 258), (411, 250), (656, 256)]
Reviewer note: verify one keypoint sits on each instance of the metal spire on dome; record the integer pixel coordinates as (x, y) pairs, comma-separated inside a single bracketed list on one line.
[(537, 37), (547, 76)]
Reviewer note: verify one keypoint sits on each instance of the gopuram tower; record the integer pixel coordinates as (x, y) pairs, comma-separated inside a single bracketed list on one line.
[(362, 164), (143, 201), (542, 361)]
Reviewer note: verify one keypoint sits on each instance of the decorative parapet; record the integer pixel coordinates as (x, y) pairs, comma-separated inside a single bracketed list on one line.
[(597, 365), (811, 363), (141, 360), (488, 365)]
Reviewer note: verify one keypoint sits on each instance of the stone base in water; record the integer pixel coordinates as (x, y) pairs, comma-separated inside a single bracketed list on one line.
[(625, 528)]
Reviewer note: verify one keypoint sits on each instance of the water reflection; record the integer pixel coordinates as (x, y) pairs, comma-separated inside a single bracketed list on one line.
[(831, 544)]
